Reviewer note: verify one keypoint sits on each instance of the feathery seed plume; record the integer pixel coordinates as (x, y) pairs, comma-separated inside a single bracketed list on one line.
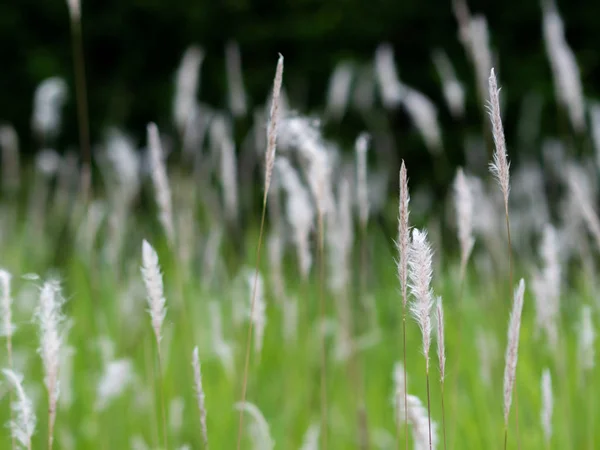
[(23, 425), (512, 348), (403, 232), (222, 144), (186, 86), (117, 377), (49, 98), (453, 90), (262, 437), (547, 405), (390, 87), (74, 9), (258, 314), (586, 340), (200, 397), (338, 92), (362, 191), (420, 273), (463, 201), (154, 288), (272, 127), (161, 183), (237, 95), (500, 165), (6, 328)]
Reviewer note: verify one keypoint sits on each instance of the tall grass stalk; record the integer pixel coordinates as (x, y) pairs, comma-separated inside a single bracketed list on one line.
[(81, 92), (441, 350), (403, 246), (269, 163)]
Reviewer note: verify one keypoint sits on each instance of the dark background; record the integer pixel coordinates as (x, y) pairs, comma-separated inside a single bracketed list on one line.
[(133, 47)]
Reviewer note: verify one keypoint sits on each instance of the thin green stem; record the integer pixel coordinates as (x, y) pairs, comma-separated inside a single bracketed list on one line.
[(162, 396), (443, 415), (322, 311), (429, 412)]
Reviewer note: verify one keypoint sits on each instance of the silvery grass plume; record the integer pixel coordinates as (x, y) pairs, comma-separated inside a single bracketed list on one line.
[(546, 286), (223, 146), (221, 347), (390, 88), (261, 433), (500, 165), (6, 328), (362, 189), (420, 273), (200, 397), (300, 213), (423, 114), (441, 347), (74, 9), (186, 86), (9, 143), (565, 71), (237, 94), (341, 238), (23, 425), (416, 413), (310, 441), (512, 349), (49, 98), (258, 313), (272, 127), (115, 380), (338, 92), (586, 341), (51, 324), (403, 233), (161, 183), (547, 405), (463, 201), (478, 48), (453, 90), (125, 164), (594, 109), (154, 288)]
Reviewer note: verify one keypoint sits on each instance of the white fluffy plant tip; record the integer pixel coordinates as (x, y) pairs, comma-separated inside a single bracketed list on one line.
[(392, 91), (237, 95), (547, 405), (362, 188), (23, 424), (74, 9), (200, 397), (272, 127), (338, 92), (162, 191), (263, 437), (48, 100), (454, 92), (6, 327), (441, 347), (403, 231), (463, 202), (423, 114), (257, 307), (512, 348), (500, 165), (586, 340), (420, 273), (186, 86), (154, 288), (117, 377)]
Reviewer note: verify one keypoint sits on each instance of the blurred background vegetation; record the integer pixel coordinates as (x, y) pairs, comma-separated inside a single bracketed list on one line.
[(133, 48)]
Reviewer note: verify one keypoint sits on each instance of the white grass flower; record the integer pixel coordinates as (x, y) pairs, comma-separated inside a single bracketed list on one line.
[(340, 238), (362, 189), (235, 81), (50, 321), (310, 441), (578, 183), (161, 183), (154, 288), (117, 377), (512, 348), (453, 90), (262, 437), (338, 92), (300, 213), (500, 165), (420, 272), (390, 87), (478, 47), (200, 397), (464, 204), (441, 348), (186, 86), (223, 146), (258, 314), (272, 127), (74, 9), (403, 232), (567, 78), (23, 425), (423, 114), (6, 327), (586, 340), (49, 98), (547, 405), (125, 162)]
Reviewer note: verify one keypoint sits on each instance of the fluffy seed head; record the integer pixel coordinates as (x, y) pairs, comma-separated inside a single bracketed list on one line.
[(116, 378), (154, 288), (512, 348), (362, 191), (272, 127), (463, 201), (587, 339), (403, 232), (7, 327), (500, 165), (23, 424), (200, 397), (547, 405)]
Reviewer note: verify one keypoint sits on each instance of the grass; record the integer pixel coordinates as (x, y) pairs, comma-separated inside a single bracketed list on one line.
[(284, 382)]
